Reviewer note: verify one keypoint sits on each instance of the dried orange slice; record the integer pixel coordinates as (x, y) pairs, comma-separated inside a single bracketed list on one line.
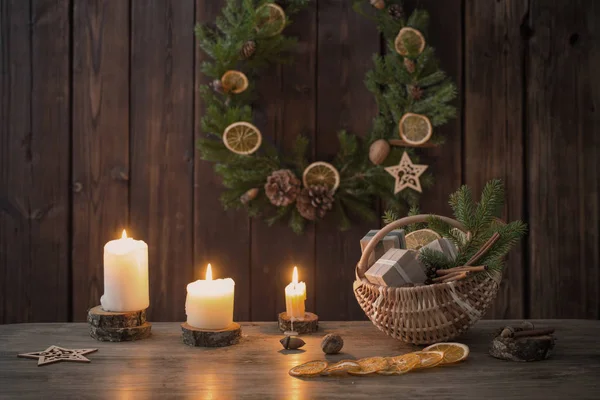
[(401, 364), (242, 138), (453, 352), (310, 368), (429, 359), (417, 239), (411, 37), (340, 367), (270, 20), (234, 81), (369, 366), (415, 129), (321, 173)]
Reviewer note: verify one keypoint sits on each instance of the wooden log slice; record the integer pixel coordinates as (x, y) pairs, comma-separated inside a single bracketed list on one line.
[(99, 318), (204, 338), (121, 334), (535, 348), (310, 323)]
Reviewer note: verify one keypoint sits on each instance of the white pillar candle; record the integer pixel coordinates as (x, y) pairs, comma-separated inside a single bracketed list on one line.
[(209, 304), (295, 296), (125, 275)]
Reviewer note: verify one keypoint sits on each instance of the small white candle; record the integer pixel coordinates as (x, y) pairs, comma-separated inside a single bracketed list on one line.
[(209, 304), (295, 296), (125, 275)]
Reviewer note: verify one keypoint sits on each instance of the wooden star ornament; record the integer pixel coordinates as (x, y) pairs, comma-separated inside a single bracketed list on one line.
[(56, 354), (407, 174)]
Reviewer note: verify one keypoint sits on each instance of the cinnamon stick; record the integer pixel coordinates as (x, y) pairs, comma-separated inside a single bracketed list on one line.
[(484, 249), (533, 332), (442, 272), (443, 277), (458, 277)]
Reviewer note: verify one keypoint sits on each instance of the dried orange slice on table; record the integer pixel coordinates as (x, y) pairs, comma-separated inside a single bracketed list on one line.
[(417, 239), (409, 41), (311, 368), (401, 364), (453, 352), (415, 129), (234, 82), (369, 366), (321, 173), (340, 367), (270, 20), (429, 359), (242, 138)]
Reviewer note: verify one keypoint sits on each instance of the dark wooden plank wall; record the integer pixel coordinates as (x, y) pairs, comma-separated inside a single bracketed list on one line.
[(99, 113)]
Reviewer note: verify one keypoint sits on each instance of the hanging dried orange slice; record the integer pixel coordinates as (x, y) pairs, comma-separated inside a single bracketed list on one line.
[(409, 41), (453, 352), (242, 138), (415, 129), (270, 20), (311, 368), (340, 367), (321, 173), (401, 364), (369, 366), (429, 359), (417, 239), (234, 82)]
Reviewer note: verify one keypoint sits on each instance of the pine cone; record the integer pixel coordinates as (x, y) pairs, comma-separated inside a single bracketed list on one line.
[(314, 202), (282, 187), (248, 49), (396, 11), (409, 65), (415, 92)]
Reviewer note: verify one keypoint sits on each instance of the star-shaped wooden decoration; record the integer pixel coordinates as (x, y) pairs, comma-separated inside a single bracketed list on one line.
[(407, 174), (55, 354)]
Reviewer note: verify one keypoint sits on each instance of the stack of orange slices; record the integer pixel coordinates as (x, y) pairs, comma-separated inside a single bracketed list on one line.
[(432, 356)]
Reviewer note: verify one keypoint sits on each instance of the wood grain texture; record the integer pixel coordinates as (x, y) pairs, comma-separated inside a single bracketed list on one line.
[(100, 141), (228, 247), (562, 152), (162, 148), (346, 44), (493, 112), (286, 110), (257, 368), (34, 154), (445, 35)]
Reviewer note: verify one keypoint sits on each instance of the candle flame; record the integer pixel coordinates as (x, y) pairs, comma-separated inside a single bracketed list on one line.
[(295, 276), (124, 235), (209, 273)]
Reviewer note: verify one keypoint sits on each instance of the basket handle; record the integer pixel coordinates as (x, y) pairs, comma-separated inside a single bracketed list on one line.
[(361, 267)]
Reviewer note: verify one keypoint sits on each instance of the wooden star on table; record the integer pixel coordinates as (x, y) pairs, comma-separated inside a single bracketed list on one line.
[(55, 354), (407, 174)]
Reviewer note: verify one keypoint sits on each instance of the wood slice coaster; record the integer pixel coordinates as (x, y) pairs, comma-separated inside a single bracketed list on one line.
[(310, 323), (110, 320), (534, 348), (121, 334), (193, 336)]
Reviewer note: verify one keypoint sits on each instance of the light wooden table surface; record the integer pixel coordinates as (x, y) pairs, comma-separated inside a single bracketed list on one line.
[(257, 368)]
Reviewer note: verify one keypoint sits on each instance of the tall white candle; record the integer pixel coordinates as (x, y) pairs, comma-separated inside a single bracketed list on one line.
[(209, 303), (125, 275), (295, 296)]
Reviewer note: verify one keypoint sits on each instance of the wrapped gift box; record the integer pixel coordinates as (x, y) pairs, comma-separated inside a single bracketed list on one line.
[(393, 240), (397, 267), (445, 246)]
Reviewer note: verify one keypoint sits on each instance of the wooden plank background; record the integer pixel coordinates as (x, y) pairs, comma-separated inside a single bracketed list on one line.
[(99, 111)]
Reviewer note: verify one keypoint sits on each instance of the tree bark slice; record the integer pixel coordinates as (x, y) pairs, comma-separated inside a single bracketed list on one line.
[(121, 334), (99, 318), (310, 323), (204, 338), (535, 348)]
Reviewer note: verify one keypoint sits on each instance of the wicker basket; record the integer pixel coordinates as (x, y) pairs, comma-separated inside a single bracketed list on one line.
[(424, 314)]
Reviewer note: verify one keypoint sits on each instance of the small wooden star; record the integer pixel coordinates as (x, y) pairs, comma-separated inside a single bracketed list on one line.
[(407, 174), (55, 354)]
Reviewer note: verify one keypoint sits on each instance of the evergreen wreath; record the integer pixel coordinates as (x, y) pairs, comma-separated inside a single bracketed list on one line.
[(412, 94)]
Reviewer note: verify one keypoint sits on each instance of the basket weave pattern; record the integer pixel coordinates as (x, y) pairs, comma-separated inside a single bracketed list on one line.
[(424, 314)]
